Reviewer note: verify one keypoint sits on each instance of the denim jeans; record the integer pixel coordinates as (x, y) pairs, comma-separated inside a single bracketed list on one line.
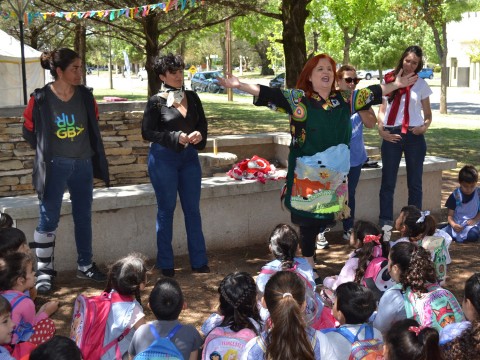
[(414, 147), (171, 172), (77, 176), (353, 178)]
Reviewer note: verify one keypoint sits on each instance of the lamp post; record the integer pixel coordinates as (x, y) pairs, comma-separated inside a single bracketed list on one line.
[(19, 7)]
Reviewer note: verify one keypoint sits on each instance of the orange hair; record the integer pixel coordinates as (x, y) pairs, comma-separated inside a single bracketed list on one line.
[(304, 82)]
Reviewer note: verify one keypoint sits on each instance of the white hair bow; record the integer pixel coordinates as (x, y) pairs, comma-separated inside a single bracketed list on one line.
[(422, 216)]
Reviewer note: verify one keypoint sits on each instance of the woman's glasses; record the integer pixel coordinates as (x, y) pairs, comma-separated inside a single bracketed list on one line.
[(349, 80)]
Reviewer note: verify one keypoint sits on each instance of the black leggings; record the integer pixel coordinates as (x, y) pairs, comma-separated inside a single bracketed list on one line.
[(308, 239)]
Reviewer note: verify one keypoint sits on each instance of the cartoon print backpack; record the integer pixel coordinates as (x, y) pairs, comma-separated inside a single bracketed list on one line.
[(437, 247), (161, 347), (90, 314), (223, 343), (367, 349), (435, 309), (377, 278)]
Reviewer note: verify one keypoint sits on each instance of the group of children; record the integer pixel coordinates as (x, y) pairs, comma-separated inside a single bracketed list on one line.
[(387, 301)]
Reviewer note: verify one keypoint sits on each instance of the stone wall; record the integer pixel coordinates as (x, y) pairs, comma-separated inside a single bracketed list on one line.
[(120, 126)]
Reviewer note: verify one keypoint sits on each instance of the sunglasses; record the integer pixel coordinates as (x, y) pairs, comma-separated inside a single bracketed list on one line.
[(349, 80)]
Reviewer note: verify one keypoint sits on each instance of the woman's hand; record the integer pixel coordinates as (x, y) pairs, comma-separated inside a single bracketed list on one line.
[(385, 134), (404, 81), (419, 130), (195, 137), (230, 82), (183, 139)]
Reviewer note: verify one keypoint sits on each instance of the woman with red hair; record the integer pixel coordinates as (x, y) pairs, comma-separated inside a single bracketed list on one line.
[(319, 159)]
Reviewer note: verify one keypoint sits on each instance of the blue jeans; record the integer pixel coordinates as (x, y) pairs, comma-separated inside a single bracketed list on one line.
[(415, 148), (353, 178), (77, 176), (171, 172)]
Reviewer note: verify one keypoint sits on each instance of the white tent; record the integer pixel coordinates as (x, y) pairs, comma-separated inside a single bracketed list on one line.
[(11, 84)]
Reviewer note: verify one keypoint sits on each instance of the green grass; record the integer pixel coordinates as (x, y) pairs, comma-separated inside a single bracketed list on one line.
[(135, 94)]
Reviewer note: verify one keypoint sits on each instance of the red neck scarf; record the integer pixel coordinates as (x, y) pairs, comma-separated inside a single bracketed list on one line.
[(390, 77)]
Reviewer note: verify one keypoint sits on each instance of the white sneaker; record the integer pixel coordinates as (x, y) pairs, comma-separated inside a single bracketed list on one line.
[(322, 242), (347, 234)]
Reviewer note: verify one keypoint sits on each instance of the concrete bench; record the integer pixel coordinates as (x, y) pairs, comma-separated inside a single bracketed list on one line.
[(234, 213)]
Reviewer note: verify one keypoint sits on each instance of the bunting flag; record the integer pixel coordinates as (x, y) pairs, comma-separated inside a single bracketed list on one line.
[(111, 14)]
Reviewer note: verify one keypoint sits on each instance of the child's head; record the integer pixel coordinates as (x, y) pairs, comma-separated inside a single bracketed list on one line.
[(415, 224), (406, 339), (367, 238), (6, 323), (411, 265), (57, 348), (468, 174), (283, 244), (12, 240), (471, 299), (238, 301), (354, 303), (16, 272), (6, 220), (284, 298), (166, 299), (128, 275)]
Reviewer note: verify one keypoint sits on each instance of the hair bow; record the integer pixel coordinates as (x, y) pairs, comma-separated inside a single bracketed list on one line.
[(372, 238), (422, 216), (416, 329)]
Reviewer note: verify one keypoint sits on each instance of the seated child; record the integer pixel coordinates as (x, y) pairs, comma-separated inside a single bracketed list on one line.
[(283, 243), (57, 348), (166, 302), (6, 328), (420, 227), (470, 307), (406, 339), (287, 335), (16, 277), (464, 207), (237, 312), (367, 240), (354, 304), (417, 293)]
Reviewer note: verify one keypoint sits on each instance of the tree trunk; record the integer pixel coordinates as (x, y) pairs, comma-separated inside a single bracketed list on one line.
[(80, 46), (442, 52), (294, 14), (261, 49), (347, 41), (150, 26)]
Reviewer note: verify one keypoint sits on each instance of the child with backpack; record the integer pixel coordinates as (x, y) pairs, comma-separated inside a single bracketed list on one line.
[(57, 348), (287, 335), (366, 265), (166, 337), (16, 277), (464, 207), (6, 328), (420, 227), (103, 325), (283, 244), (354, 304), (238, 319), (417, 293), (406, 339)]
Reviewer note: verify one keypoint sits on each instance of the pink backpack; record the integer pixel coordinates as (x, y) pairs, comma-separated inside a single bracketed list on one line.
[(377, 277), (90, 314), (221, 342)]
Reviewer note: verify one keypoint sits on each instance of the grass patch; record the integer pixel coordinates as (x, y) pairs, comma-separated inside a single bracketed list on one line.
[(136, 94)]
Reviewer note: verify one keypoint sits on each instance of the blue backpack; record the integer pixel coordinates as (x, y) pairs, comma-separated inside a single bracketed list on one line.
[(161, 347)]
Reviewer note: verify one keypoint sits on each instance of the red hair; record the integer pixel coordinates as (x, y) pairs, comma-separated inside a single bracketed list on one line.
[(304, 82)]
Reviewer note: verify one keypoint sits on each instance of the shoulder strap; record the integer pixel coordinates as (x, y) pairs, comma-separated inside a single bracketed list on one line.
[(458, 197), (170, 335), (17, 300), (344, 332)]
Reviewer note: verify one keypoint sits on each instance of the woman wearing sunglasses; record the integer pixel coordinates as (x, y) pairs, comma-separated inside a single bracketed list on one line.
[(319, 158), (402, 128), (347, 80)]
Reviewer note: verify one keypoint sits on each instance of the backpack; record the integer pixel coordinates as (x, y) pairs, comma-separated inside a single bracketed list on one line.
[(436, 246), (435, 309), (224, 343), (161, 347), (377, 278), (366, 349), (90, 314)]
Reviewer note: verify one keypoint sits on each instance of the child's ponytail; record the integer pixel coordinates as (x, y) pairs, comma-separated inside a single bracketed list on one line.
[(287, 338), (283, 242), (418, 223)]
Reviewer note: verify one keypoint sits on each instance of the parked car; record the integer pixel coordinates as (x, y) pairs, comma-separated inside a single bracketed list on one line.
[(426, 73), (278, 81), (206, 81), (142, 74), (367, 74)]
